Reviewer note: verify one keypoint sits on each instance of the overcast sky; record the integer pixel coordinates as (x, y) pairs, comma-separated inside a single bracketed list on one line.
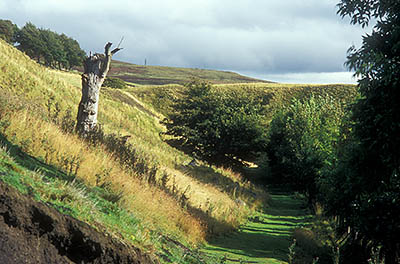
[(301, 41)]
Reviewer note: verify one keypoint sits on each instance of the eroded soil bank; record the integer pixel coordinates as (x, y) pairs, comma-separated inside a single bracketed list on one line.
[(32, 232)]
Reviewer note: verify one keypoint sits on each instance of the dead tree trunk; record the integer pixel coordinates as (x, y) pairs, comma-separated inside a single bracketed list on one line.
[(95, 70)]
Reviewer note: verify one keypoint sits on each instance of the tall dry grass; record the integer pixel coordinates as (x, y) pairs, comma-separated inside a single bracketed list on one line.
[(95, 167), (186, 206)]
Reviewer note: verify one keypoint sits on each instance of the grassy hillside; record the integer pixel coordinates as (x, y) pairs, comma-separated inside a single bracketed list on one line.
[(159, 75), (37, 110), (154, 197), (274, 95), (266, 238)]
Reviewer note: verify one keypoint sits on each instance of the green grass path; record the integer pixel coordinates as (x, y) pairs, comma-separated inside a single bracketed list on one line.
[(266, 237)]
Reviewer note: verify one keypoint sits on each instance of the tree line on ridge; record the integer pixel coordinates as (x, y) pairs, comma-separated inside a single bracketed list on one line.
[(43, 45)]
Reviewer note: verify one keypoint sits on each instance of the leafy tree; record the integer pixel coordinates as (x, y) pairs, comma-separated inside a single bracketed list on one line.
[(302, 142), (30, 41), (366, 187), (50, 48), (53, 50), (218, 127), (74, 54), (8, 31)]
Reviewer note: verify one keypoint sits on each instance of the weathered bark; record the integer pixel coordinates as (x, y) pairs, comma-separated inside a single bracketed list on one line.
[(96, 67)]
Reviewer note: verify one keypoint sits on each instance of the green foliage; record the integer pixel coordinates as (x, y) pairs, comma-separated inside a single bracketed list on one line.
[(116, 83), (29, 41), (73, 52), (365, 188), (8, 31), (218, 127), (54, 50), (302, 140), (307, 248)]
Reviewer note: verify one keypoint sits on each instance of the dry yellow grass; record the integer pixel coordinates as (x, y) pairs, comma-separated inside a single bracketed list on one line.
[(37, 86), (155, 208)]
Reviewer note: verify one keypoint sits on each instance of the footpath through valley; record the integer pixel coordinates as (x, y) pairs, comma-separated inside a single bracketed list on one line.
[(266, 237)]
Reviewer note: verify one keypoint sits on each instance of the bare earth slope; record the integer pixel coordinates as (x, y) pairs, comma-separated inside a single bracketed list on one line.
[(32, 232)]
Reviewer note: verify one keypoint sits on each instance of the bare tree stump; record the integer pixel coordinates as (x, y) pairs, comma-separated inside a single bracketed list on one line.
[(96, 67)]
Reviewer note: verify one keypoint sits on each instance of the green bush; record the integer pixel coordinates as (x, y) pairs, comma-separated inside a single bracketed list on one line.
[(364, 191), (308, 248), (302, 140), (218, 127), (115, 83)]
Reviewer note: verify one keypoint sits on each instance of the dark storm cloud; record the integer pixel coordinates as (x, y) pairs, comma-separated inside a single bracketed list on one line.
[(254, 36)]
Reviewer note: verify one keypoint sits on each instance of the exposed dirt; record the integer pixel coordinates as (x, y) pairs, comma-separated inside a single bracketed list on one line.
[(32, 232)]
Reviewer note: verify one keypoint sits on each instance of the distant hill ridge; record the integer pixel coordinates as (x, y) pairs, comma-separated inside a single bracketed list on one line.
[(159, 75)]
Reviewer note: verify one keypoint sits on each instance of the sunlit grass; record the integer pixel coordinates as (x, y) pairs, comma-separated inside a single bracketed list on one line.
[(267, 236), (70, 197), (33, 95), (195, 201), (95, 167)]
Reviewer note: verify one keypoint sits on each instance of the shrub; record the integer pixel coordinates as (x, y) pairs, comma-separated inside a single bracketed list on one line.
[(115, 83), (302, 140), (366, 186), (309, 248), (218, 127)]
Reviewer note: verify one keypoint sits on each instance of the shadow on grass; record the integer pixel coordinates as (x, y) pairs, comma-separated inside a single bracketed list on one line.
[(285, 205), (267, 235), (258, 240), (50, 173), (270, 231), (214, 226), (253, 243), (31, 163), (209, 176)]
